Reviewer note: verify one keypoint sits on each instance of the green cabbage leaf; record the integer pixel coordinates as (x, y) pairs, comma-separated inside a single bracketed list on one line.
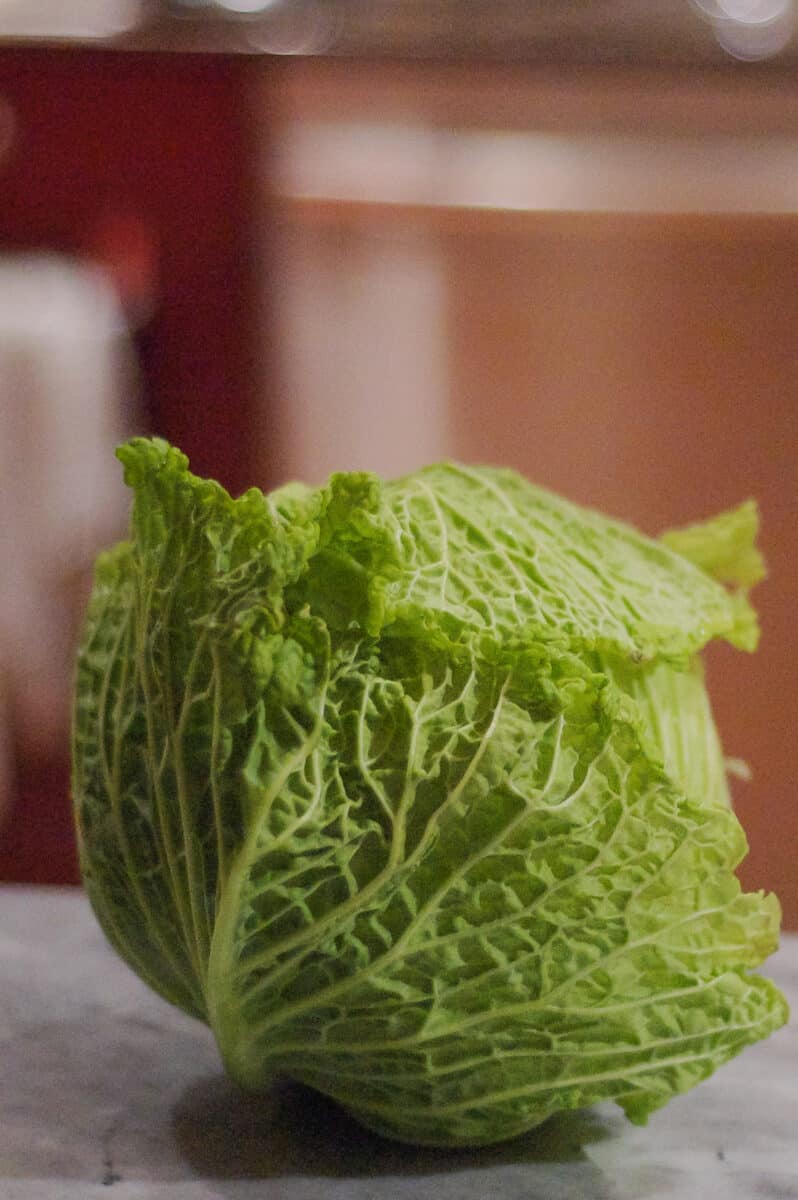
[(412, 791)]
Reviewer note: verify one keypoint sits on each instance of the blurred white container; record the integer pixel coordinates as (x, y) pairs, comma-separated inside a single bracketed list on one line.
[(65, 374)]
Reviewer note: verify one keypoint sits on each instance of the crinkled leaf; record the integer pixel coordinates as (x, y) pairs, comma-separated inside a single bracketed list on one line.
[(413, 792), (485, 548), (724, 546)]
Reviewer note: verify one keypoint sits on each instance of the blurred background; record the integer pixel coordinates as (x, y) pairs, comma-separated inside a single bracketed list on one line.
[(304, 235)]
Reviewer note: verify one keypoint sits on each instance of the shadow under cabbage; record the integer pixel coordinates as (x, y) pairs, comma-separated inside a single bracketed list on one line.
[(227, 1133)]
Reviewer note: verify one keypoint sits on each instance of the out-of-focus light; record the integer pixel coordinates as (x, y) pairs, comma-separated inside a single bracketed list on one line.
[(752, 46), (750, 29), (296, 27), (753, 12), (246, 6), (747, 12)]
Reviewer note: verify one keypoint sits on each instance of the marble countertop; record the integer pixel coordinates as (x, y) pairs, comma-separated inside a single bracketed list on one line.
[(107, 1091)]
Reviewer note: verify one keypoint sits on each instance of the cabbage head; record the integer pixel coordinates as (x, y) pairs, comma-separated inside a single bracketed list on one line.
[(412, 791)]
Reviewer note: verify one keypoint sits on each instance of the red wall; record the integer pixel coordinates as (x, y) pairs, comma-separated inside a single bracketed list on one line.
[(145, 160)]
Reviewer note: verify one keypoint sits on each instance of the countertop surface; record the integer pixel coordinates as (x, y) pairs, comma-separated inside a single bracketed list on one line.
[(107, 1091)]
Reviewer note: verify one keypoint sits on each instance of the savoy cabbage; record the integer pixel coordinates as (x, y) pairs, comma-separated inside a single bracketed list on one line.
[(412, 791)]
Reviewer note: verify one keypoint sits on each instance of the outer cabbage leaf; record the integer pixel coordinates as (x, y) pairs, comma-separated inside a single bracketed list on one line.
[(724, 547), (412, 791), (671, 712), (484, 547)]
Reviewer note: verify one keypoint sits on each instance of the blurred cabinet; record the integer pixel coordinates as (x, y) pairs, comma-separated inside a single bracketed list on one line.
[(604, 267)]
